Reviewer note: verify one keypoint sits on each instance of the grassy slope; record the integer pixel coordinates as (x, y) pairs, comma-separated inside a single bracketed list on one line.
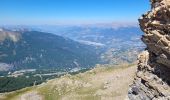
[(97, 84)]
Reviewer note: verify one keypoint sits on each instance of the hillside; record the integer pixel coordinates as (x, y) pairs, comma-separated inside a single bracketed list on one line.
[(117, 43), (41, 50), (100, 83)]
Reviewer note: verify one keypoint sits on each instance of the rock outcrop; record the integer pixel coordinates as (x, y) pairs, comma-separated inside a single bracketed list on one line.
[(11, 35), (152, 80)]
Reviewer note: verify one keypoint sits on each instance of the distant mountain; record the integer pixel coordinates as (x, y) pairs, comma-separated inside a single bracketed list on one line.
[(35, 55), (117, 43), (41, 50)]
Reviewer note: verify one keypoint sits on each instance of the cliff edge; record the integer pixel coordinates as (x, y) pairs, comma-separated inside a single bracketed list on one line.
[(152, 81)]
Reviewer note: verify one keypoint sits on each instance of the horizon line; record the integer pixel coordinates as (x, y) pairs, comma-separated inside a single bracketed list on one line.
[(76, 23)]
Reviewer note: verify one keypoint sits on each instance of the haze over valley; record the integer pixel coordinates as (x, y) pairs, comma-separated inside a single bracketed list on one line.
[(34, 52)]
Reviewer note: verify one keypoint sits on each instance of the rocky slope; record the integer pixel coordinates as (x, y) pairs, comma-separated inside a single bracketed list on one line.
[(152, 79), (100, 83)]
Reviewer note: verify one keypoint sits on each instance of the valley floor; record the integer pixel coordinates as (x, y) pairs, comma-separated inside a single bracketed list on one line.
[(100, 83)]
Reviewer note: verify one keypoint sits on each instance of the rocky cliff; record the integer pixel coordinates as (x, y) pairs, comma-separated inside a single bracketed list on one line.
[(152, 80)]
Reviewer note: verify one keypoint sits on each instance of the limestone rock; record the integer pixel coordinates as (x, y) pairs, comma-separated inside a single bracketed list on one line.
[(152, 81)]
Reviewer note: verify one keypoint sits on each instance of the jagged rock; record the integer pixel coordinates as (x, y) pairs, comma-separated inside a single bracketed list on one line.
[(152, 81)]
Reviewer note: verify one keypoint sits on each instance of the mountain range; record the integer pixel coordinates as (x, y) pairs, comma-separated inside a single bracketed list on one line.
[(32, 55)]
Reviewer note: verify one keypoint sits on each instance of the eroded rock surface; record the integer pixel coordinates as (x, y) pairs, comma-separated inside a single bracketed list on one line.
[(152, 80), (11, 35)]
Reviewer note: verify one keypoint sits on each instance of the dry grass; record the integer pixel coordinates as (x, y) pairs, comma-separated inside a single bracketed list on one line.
[(101, 83)]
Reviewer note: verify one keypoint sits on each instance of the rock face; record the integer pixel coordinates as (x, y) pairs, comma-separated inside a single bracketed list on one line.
[(153, 76), (13, 36)]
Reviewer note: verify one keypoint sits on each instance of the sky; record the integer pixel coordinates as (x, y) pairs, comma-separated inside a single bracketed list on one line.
[(37, 12)]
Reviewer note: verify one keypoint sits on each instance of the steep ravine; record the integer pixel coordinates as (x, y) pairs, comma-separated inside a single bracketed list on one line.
[(152, 81)]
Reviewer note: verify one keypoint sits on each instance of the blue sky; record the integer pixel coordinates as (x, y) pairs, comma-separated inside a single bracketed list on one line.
[(70, 11)]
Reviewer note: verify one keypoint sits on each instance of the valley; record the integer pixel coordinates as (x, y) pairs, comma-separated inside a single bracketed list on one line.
[(31, 55)]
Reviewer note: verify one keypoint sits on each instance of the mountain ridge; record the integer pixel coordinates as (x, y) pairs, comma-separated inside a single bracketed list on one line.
[(30, 48), (95, 84)]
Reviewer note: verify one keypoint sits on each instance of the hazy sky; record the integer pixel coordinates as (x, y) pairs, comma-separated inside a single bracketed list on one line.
[(70, 11)]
